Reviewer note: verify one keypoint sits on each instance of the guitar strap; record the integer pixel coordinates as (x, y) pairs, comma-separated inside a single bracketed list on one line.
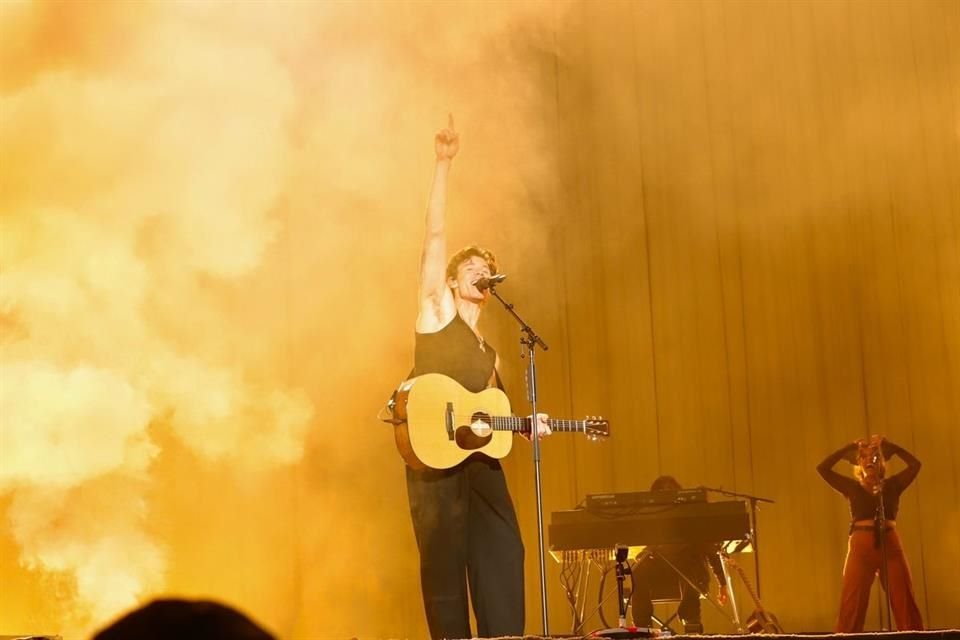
[(386, 414)]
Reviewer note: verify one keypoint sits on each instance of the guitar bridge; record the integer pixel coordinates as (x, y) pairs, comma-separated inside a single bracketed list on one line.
[(449, 420)]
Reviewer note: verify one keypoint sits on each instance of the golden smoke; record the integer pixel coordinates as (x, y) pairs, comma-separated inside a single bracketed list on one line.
[(177, 179)]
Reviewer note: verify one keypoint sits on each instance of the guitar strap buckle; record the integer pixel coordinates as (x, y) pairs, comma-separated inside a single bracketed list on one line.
[(388, 412)]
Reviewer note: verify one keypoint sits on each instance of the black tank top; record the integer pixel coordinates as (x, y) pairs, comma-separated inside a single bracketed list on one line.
[(455, 351)]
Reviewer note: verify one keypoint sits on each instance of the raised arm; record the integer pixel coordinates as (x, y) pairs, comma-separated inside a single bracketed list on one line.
[(838, 481), (437, 306), (909, 474)]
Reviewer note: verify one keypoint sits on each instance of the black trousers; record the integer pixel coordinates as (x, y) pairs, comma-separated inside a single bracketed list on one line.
[(655, 579), (466, 530)]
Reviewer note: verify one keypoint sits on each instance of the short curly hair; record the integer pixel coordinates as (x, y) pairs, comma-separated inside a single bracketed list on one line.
[(665, 483), (468, 252)]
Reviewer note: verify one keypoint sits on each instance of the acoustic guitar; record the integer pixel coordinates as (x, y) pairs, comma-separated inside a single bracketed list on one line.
[(439, 423), (761, 620)]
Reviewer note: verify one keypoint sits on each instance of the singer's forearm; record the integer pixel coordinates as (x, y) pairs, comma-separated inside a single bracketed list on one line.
[(896, 450), (437, 204), (907, 476), (826, 465), (834, 479), (432, 260)]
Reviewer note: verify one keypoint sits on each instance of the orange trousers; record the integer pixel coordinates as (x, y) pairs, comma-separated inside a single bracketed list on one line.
[(864, 561)]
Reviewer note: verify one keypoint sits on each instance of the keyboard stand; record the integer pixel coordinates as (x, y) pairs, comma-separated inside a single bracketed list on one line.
[(733, 615), (577, 567), (575, 570)]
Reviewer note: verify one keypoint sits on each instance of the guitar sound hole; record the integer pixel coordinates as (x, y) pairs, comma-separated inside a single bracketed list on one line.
[(476, 434)]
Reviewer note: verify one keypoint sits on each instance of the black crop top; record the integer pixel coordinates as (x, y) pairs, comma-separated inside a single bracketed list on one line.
[(864, 505)]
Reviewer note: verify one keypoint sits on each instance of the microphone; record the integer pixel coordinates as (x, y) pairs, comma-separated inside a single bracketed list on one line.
[(485, 283)]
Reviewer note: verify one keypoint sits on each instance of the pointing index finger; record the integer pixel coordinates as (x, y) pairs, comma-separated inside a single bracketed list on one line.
[(450, 122)]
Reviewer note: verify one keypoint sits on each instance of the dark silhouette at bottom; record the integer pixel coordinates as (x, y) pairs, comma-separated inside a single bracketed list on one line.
[(184, 620)]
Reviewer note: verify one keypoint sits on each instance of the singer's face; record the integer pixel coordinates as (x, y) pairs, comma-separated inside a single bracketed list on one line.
[(468, 272), (871, 461)]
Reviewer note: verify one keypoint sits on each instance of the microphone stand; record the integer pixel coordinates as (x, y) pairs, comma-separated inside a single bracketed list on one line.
[(529, 341), (753, 526), (880, 529), (621, 571)]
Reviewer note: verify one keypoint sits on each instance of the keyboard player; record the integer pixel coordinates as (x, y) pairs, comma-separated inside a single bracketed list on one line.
[(653, 573)]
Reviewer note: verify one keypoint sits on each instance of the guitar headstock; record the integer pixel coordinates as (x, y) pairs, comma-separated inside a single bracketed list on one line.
[(596, 427)]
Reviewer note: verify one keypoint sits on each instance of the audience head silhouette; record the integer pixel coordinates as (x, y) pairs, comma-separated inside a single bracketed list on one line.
[(184, 620)]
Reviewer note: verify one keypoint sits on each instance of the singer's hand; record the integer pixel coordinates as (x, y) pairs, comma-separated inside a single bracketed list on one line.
[(447, 141), (543, 426)]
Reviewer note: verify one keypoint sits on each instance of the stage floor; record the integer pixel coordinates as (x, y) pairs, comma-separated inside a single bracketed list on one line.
[(936, 634)]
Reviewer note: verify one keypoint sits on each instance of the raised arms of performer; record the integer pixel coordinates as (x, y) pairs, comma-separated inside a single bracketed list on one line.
[(437, 306), (908, 475), (836, 480), (889, 449)]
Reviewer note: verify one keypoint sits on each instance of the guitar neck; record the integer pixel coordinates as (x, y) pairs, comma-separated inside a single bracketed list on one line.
[(522, 425)]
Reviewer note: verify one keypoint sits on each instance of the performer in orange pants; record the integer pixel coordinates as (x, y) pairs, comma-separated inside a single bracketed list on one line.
[(873, 538)]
